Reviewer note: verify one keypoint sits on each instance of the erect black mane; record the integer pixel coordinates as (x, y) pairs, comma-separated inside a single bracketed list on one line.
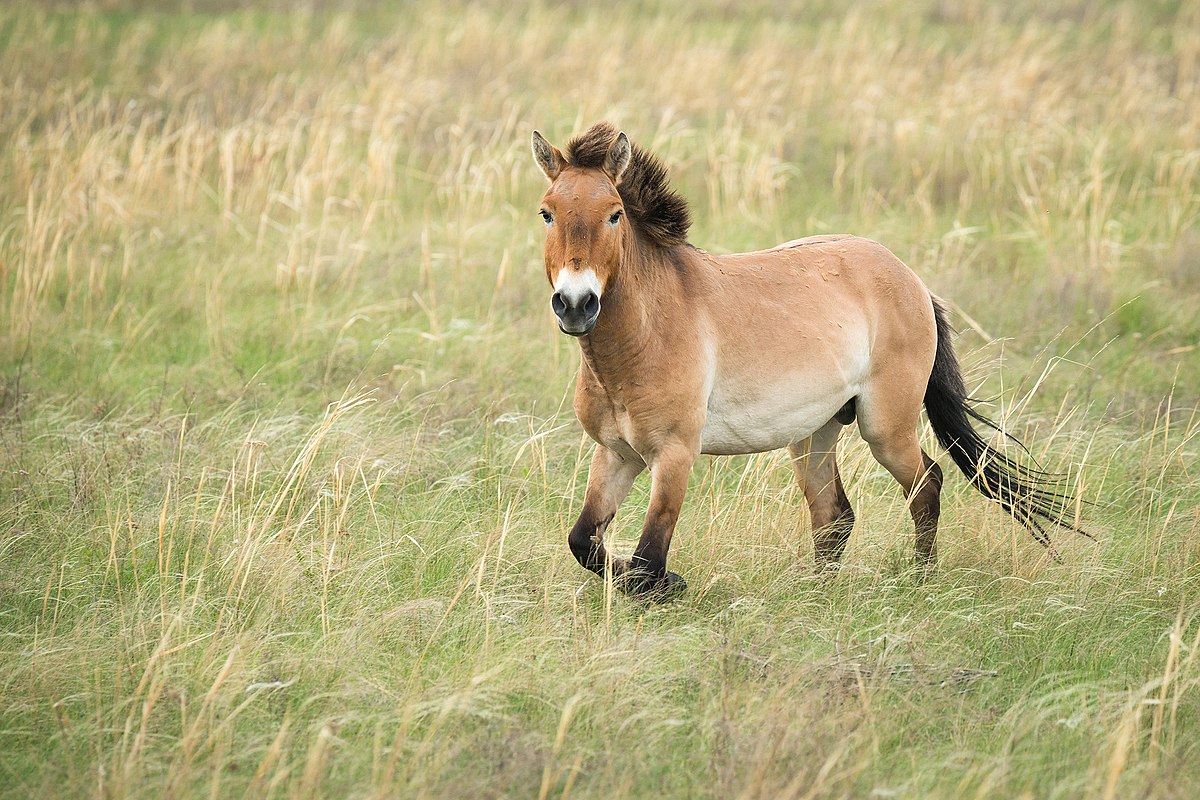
[(654, 208)]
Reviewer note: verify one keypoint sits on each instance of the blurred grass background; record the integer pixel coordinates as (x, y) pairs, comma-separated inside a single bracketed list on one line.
[(288, 457)]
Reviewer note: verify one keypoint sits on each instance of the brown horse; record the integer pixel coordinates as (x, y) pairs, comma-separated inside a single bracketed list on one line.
[(685, 352)]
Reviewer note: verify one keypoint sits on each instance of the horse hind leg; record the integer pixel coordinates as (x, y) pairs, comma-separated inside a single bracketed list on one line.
[(899, 451), (921, 478), (815, 463)]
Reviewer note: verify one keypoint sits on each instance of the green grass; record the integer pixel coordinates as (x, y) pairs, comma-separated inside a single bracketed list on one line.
[(287, 456)]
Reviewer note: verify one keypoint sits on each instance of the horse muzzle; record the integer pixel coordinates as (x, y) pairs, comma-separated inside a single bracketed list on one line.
[(576, 314)]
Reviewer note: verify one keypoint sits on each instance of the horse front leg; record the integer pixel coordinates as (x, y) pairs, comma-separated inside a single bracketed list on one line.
[(647, 573), (609, 480)]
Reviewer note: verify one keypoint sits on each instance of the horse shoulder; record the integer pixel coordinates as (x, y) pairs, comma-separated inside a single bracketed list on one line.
[(593, 406)]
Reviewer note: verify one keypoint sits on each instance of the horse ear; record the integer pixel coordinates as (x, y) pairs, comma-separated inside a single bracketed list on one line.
[(547, 156), (617, 160)]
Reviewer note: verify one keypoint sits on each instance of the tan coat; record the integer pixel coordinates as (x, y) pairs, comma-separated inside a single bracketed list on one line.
[(684, 352)]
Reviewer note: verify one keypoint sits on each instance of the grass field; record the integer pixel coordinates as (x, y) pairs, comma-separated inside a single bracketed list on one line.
[(287, 456)]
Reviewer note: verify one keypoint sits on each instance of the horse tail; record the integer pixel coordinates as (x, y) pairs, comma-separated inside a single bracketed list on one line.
[(1034, 498)]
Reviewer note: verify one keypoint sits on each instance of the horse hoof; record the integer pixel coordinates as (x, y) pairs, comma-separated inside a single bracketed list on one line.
[(673, 587)]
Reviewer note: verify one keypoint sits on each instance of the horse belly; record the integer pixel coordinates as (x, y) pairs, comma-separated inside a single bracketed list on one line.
[(754, 420)]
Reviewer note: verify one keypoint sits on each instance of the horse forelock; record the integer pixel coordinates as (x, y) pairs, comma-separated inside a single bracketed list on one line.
[(655, 209)]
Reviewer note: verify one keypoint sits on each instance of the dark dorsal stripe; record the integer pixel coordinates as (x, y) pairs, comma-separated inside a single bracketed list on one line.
[(658, 213)]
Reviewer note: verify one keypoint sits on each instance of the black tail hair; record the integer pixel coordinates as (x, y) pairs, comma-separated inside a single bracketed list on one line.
[(1033, 497)]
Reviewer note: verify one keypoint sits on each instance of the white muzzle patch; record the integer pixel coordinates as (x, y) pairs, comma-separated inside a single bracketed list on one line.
[(574, 285)]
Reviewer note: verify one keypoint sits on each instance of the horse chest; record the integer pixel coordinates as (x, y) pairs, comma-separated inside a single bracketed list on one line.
[(609, 422)]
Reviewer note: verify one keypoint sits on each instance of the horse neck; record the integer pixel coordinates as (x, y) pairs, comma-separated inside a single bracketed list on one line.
[(633, 314)]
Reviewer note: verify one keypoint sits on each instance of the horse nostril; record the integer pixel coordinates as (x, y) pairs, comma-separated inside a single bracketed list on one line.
[(591, 306), (558, 304)]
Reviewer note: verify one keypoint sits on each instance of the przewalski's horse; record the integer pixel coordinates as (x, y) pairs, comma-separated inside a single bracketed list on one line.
[(685, 352)]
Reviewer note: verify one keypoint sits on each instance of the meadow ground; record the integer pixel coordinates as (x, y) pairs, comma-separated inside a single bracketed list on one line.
[(287, 459)]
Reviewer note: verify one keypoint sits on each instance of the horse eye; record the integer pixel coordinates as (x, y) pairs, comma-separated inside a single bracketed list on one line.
[(616, 216), (547, 217)]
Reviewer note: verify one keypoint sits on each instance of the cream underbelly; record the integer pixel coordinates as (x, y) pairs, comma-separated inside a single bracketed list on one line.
[(744, 419)]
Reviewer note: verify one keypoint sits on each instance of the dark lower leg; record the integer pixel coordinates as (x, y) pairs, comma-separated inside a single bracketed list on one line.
[(926, 507), (587, 540), (647, 570), (609, 480), (833, 521), (814, 461)]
